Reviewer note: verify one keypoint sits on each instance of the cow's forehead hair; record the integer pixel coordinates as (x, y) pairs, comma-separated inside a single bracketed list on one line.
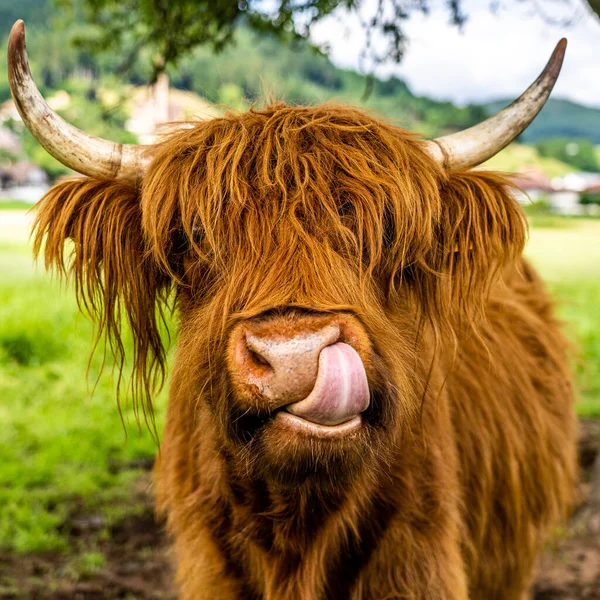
[(258, 183)]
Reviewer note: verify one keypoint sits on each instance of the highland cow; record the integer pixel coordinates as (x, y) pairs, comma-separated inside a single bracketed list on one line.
[(370, 397)]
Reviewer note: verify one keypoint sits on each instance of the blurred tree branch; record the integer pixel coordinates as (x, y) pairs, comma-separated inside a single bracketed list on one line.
[(595, 6), (170, 30)]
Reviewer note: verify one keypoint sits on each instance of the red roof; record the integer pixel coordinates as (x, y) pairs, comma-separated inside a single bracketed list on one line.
[(532, 180)]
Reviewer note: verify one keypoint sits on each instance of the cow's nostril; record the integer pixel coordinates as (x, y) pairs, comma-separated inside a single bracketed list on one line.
[(258, 359)]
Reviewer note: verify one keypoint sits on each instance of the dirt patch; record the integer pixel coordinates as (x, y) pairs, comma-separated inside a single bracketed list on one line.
[(137, 562), (137, 565), (571, 571)]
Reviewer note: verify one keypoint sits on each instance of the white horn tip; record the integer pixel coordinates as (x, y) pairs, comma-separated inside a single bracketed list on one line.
[(16, 48), (17, 33), (556, 60)]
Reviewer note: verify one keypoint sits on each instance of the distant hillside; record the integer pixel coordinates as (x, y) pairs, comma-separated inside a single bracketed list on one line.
[(559, 118)]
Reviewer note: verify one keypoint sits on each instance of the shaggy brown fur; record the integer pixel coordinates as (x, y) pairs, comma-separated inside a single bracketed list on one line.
[(292, 217)]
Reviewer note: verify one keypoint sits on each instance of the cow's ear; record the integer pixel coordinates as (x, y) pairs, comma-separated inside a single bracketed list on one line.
[(479, 230), (484, 229), (91, 233)]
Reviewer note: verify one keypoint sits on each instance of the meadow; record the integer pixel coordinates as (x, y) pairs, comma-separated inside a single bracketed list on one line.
[(63, 449)]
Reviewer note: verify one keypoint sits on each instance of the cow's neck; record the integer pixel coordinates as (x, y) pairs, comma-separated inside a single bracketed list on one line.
[(282, 519), (295, 528)]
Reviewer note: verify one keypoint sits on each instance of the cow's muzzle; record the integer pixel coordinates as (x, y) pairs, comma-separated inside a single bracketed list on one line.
[(305, 370)]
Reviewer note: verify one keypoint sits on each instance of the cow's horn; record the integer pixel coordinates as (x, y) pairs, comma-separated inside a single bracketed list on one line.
[(72, 147), (475, 145)]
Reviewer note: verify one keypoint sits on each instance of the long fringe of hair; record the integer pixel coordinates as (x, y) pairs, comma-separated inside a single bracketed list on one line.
[(114, 276)]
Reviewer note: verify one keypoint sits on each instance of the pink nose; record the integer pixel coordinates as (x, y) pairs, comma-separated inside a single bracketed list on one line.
[(284, 369)]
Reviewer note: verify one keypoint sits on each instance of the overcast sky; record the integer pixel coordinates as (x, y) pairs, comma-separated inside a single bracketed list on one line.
[(496, 55)]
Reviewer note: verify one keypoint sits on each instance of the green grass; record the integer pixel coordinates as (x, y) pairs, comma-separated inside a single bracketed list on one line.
[(62, 448), (569, 259), (519, 157), (62, 445), (15, 205)]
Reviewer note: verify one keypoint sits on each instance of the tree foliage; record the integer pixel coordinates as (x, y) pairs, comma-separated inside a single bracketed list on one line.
[(173, 29), (590, 198)]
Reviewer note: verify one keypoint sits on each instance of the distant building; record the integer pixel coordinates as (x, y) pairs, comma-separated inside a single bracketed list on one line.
[(26, 173), (563, 194), (566, 198), (533, 186), (10, 142), (23, 180)]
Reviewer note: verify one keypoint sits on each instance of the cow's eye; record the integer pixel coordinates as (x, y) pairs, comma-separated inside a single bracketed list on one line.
[(183, 242), (196, 234)]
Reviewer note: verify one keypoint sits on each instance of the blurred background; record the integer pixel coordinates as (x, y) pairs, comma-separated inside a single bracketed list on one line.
[(76, 515)]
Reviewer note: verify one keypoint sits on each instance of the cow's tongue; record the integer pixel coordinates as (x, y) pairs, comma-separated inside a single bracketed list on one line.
[(341, 391)]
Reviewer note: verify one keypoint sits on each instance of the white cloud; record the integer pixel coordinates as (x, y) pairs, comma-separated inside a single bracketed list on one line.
[(496, 56)]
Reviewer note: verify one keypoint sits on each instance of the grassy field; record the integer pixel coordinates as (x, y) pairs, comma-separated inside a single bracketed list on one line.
[(568, 256), (62, 449), (518, 157)]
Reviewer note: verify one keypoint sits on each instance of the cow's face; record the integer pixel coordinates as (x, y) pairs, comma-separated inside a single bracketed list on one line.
[(288, 233)]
